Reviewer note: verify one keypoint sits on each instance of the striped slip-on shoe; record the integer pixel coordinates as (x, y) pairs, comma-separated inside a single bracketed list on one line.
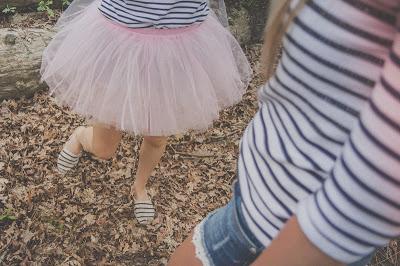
[(144, 211), (66, 161)]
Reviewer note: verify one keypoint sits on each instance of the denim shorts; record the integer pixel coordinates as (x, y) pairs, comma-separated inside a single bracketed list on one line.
[(223, 237)]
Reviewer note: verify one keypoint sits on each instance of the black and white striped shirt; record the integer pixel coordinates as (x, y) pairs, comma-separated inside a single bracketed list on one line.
[(325, 144), (158, 14)]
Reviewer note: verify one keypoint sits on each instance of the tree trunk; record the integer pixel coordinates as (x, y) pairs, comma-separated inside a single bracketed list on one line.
[(20, 57), (247, 19), (220, 10), (23, 4), (17, 3)]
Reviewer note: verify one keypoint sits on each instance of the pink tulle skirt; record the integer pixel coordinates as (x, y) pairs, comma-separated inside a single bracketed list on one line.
[(144, 81)]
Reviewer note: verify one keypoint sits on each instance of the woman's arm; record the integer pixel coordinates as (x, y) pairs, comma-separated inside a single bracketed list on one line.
[(358, 207)]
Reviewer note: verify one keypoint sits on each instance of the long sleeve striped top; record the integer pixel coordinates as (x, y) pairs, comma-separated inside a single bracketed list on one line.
[(325, 143), (158, 14)]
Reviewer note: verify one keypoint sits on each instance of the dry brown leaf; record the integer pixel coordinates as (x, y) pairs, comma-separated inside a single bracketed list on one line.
[(90, 219)]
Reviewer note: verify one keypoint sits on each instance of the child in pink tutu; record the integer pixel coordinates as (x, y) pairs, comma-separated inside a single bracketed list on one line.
[(150, 67)]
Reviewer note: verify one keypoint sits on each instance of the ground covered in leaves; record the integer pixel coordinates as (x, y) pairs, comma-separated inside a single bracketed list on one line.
[(86, 217)]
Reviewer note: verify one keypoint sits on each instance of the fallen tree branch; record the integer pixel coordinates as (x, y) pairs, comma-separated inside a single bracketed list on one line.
[(20, 59), (195, 155)]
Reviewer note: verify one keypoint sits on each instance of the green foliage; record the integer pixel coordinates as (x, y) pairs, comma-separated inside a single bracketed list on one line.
[(250, 4), (7, 216), (57, 225), (45, 6), (65, 3), (8, 10)]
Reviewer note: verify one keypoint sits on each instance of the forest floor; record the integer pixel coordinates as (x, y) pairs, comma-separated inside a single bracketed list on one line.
[(86, 217)]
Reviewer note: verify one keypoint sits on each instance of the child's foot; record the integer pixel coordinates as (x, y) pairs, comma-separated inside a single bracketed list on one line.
[(69, 156), (143, 207)]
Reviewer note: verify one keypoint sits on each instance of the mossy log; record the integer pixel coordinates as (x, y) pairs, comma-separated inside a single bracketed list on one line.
[(20, 57)]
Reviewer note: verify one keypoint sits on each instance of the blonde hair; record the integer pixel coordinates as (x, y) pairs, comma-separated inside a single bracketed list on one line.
[(280, 18)]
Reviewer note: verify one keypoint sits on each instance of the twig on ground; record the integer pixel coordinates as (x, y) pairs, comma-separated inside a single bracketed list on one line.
[(195, 155), (219, 138), (386, 259)]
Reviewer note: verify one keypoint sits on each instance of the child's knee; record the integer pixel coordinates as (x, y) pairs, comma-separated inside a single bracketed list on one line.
[(105, 150), (105, 154), (104, 143)]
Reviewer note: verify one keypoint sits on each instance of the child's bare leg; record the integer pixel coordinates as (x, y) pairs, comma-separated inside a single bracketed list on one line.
[(150, 154), (100, 140), (151, 151)]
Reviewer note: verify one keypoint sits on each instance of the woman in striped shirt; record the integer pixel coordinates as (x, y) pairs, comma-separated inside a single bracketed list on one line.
[(145, 67), (319, 165)]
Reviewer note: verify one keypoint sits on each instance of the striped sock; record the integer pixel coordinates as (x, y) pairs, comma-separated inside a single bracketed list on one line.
[(66, 161)]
